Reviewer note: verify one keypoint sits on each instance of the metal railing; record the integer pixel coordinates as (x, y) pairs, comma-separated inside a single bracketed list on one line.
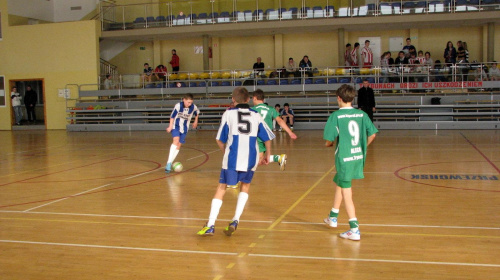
[(182, 13)]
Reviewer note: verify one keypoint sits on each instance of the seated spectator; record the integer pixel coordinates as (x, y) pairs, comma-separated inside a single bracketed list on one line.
[(439, 71), (161, 72), (291, 68), (401, 59), (287, 115), (305, 65), (108, 82), (428, 60), (480, 74), (147, 73), (258, 67), (494, 72), (277, 107)]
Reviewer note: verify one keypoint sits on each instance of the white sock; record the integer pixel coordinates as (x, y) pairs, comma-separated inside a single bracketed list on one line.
[(214, 211), (173, 153), (271, 158), (240, 205)]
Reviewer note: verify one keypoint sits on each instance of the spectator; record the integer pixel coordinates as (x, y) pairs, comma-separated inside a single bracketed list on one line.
[(354, 55), (367, 55), (161, 72), (412, 52), (366, 99), (421, 58), (450, 53), (384, 65), (406, 49), (391, 60), (147, 73), (174, 62), (494, 72), (347, 55), (30, 99), (480, 74), (291, 68), (429, 62), (258, 67), (401, 59), (413, 58), (305, 65), (287, 115), (108, 82), (439, 70), (16, 105)]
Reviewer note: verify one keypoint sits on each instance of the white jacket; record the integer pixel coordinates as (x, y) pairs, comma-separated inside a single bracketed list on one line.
[(16, 101)]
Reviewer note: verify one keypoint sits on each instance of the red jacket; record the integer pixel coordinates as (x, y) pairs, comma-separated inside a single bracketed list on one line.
[(175, 61)]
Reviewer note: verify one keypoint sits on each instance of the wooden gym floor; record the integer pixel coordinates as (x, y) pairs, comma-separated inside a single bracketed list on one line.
[(99, 206)]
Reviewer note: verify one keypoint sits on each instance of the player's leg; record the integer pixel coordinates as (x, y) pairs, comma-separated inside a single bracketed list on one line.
[(177, 141), (291, 122), (331, 220), (353, 233), (245, 178), (226, 176)]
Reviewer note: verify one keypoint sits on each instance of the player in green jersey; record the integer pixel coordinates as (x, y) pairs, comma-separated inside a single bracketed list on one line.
[(269, 114), (353, 131)]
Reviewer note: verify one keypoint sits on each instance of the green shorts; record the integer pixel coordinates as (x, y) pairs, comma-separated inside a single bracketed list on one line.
[(262, 146), (342, 184)]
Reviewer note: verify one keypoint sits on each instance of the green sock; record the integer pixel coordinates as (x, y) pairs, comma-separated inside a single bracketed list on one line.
[(276, 158), (353, 223), (334, 213)]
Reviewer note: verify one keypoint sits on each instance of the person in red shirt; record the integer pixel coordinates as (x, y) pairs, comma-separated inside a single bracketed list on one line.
[(174, 62)]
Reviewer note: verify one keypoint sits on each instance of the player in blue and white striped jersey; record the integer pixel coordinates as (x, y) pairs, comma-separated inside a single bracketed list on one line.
[(237, 138), (179, 126)]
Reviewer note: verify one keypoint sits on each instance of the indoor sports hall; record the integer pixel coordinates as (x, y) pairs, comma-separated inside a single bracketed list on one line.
[(84, 193)]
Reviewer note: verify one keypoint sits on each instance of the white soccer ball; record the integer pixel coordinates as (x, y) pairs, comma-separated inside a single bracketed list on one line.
[(177, 166)]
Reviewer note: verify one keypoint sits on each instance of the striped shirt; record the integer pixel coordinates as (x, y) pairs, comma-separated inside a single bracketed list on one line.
[(354, 57), (182, 116), (239, 129), (367, 54)]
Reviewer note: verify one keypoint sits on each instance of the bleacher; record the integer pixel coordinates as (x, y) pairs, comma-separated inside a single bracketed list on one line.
[(145, 18)]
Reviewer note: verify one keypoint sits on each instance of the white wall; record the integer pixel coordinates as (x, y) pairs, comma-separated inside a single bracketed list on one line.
[(52, 10), (37, 9), (63, 12)]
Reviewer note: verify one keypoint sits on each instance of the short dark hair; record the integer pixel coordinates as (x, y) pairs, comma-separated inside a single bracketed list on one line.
[(356, 44), (346, 93), (146, 64), (408, 39), (367, 41), (286, 105), (277, 105), (240, 95), (259, 94), (348, 45), (188, 96)]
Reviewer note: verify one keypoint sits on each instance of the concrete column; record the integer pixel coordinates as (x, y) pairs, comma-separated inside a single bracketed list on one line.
[(491, 42), (278, 51), (157, 59), (341, 46), (216, 53), (206, 59)]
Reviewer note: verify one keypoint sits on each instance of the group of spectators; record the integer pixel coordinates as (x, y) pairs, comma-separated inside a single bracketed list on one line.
[(420, 64)]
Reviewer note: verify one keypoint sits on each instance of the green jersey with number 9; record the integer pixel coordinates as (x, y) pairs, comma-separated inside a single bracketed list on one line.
[(350, 128)]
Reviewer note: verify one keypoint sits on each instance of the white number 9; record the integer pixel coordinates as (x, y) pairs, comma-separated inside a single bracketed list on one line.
[(354, 131)]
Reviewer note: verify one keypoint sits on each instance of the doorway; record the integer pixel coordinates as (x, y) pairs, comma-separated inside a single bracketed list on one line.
[(36, 85)]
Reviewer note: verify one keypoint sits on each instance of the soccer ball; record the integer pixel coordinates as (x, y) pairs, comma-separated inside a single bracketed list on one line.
[(177, 166)]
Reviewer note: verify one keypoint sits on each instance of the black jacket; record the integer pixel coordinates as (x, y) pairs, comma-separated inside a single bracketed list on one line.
[(30, 97), (366, 98)]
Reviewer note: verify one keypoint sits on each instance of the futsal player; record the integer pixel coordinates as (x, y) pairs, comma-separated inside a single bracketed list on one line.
[(237, 138), (353, 131), (179, 125)]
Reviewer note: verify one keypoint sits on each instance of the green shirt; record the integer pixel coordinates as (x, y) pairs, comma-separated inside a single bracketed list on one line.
[(350, 128), (267, 112)]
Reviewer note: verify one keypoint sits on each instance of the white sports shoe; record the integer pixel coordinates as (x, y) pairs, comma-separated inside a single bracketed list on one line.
[(331, 221), (351, 235)]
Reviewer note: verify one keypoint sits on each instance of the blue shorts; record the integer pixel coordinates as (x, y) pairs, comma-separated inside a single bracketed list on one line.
[(232, 177), (177, 133)]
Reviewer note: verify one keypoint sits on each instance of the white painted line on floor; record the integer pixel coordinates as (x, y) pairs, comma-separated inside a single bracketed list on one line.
[(103, 186), (118, 247), (373, 260), (125, 216), (408, 226), (204, 154)]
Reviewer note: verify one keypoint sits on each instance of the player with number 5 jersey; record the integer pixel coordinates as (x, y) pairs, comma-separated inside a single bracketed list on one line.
[(353, 131), (237, 138)]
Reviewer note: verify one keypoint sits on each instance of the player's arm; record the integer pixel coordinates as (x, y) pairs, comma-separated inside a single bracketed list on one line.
[(221, 145), (195, 123), (283, 125), (329, 143), (171, 125), (370, 139)]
